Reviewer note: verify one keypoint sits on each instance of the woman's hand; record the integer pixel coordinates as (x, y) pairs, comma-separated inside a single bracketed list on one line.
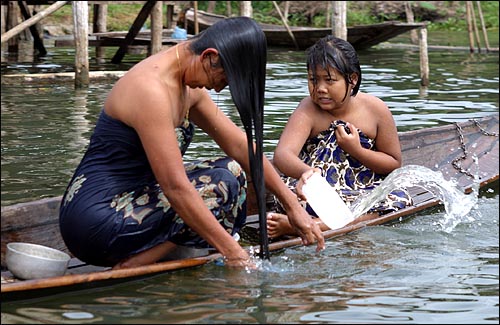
[(240, 260), (306, 227)]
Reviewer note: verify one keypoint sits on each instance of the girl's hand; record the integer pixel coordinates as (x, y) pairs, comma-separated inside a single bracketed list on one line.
[(349, 142), (303, 179)]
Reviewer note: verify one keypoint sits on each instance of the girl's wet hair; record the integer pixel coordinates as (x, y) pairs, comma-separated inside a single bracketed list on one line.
[(242, 49), (331, 51)]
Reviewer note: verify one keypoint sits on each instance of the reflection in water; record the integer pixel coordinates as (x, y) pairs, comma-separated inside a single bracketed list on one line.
[(32, 315), (81, 125)]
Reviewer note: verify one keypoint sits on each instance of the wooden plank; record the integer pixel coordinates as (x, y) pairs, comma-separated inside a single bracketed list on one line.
[(33, 20), (51, 78)]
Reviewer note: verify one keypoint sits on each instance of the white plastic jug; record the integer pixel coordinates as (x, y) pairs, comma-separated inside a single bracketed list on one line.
[(325, 201)]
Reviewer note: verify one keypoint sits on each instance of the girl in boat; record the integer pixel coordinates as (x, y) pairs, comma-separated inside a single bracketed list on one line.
[(348, 136), (132, 199)]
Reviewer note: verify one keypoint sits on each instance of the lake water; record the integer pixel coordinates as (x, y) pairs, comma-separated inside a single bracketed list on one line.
[(409, 272)]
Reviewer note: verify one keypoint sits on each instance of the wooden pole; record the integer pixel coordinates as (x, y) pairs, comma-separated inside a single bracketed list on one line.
[(170, 15), (246, 8), (81, 31), (3, 19), (483, 27), (339, 23), (286, 25), (37, 40), (196, 27), (156, 28), (329, 14), (33, 20), (474, 24), (12, 21), (469, 25), (424, 57), (134, 30), (100, 26), (411, 19)]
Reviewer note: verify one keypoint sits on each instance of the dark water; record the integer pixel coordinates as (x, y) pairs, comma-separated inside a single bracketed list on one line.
[(409, 272)]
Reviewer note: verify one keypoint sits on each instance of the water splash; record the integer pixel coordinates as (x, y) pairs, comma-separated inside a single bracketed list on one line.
[(457, 204)]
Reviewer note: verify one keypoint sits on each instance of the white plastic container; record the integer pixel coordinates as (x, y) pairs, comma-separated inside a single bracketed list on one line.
[(325, 201)]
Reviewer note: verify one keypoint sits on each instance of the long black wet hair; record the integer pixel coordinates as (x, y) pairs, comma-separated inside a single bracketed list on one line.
[(331, 51), (242, 50)]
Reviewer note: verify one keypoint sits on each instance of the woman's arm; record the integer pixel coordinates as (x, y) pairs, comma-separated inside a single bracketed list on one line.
[(156, 128), (233, 141)]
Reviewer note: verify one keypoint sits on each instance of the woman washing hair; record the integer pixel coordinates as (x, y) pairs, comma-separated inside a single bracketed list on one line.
[(132, 199)]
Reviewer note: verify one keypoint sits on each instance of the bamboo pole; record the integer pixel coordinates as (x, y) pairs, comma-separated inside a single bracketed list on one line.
[(81, 31), (485, 35), (33, 20), (286, 25)]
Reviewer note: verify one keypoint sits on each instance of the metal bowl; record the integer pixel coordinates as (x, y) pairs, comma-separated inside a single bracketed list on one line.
[(32, 261)]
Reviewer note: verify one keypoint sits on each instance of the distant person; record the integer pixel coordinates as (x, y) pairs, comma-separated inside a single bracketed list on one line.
[(348, 136), (132, 199)]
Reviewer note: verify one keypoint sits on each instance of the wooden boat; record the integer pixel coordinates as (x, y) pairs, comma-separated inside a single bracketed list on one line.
[(451, 149), (361, 36)]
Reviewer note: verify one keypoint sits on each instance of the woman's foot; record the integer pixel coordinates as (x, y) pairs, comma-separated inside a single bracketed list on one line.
[(149, 256), (278, 225)]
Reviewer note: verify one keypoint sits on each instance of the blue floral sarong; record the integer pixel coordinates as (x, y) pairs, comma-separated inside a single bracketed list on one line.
[(114, 208), (347, 175)]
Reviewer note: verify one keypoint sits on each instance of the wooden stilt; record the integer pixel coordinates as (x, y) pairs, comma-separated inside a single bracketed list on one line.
[(196, 26), (100, 26), (411, 19), (37, 41), (339, 25), (474, 25), (469, 25), (156, 28), (424, 57), (485, 35), (13, 42), (81, 32)]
